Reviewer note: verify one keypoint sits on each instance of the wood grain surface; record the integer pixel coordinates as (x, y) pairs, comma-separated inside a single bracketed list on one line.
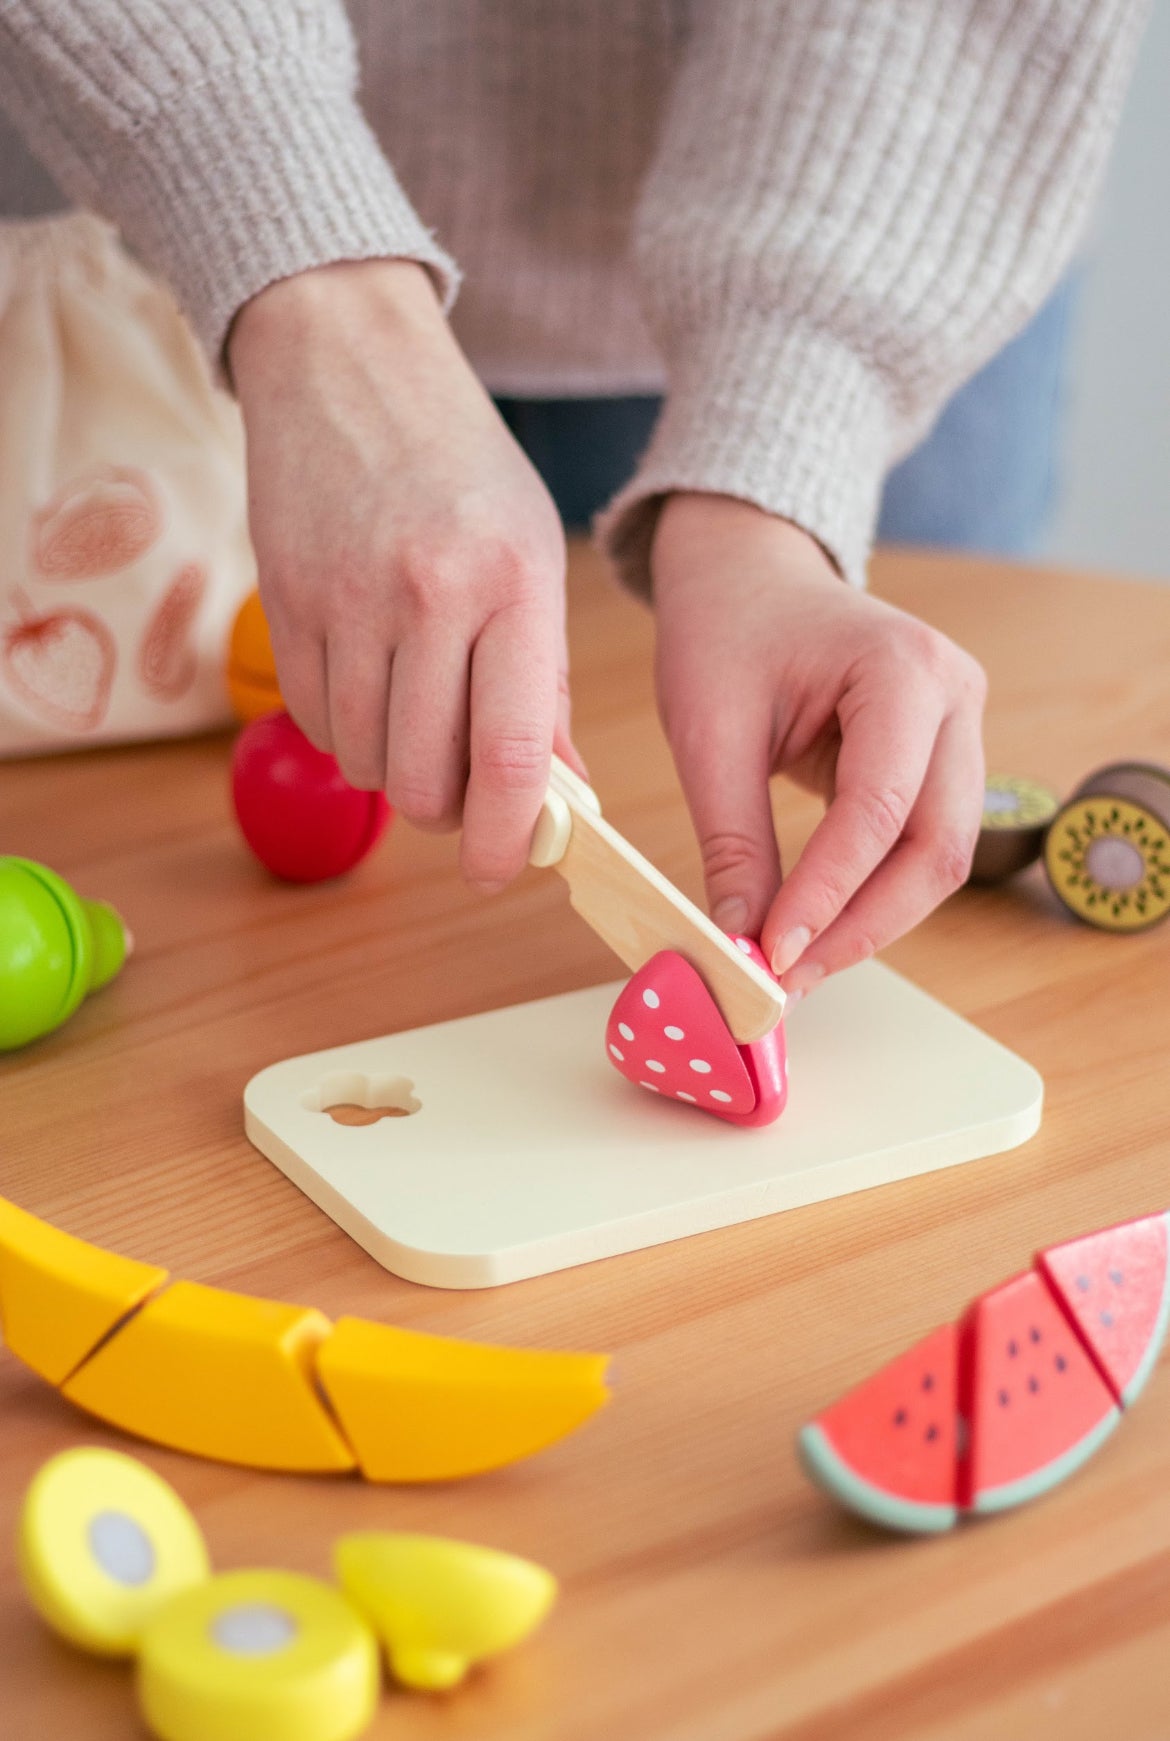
[(709, 1594)]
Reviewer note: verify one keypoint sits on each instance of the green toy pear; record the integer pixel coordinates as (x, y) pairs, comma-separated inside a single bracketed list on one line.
[(55, 948)]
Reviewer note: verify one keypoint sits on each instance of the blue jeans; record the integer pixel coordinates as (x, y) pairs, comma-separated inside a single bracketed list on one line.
[(984, 479)]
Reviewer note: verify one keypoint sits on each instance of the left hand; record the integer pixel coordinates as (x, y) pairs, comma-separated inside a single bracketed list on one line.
[(767, 662)]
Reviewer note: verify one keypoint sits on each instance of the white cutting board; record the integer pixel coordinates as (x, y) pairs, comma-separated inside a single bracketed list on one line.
[(530, 1153)]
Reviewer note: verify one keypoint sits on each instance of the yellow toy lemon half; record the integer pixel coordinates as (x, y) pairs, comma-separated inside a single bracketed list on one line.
[(102, 1542), (439, 1606), (258, 1656)]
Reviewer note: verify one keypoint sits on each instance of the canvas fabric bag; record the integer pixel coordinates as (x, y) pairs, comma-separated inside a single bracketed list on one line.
[(124, 549)]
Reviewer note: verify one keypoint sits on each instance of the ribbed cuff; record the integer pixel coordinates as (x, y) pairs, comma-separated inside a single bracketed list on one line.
[(266, 171), (787, 418)]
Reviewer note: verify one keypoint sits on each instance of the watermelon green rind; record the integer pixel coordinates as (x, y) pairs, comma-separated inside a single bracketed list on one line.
[(1043, 1480), (823, 1465), (1154, 1347)]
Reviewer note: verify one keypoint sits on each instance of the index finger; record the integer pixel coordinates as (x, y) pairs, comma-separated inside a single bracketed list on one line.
[(886, 747), (513, 716)]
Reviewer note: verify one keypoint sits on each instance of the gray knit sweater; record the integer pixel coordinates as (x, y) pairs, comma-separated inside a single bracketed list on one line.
[(808, 220)]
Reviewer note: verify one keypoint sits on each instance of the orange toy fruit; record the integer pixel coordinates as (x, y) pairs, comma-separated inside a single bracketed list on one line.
[(251, 668)]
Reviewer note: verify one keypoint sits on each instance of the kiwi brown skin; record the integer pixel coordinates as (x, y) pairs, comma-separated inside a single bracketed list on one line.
[(1007, 846)]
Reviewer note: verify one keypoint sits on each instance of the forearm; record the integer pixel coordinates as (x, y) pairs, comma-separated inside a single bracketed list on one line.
[(853, 206), (224, 139)]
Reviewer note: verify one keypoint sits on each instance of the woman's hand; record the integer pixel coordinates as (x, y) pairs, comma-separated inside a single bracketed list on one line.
[(768, 662), (411, 562)]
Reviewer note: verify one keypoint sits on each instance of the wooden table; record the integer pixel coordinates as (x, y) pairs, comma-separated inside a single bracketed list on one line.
[(709, 1593)]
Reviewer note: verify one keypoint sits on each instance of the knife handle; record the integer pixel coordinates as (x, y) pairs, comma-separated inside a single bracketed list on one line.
[(638, 911)]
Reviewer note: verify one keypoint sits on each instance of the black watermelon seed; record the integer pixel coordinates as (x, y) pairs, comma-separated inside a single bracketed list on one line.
[(1004, 1399), (1034, 1334), (1013, 1349), (1117, 1277), (931, 1433), (1033, 1385), (928, 1381), (1084, 1284), (900, 1418), (1060, 1363), (1107, 1319)]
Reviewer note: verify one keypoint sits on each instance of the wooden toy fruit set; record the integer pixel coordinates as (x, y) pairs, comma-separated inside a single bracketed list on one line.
[(993, 1411), (1106, 851), (115, 1563)]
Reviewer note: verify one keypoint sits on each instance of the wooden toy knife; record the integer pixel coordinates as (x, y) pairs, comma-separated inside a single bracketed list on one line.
[(638, 911)]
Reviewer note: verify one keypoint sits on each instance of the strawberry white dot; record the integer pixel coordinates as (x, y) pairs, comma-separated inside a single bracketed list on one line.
[(658, 1069), (720, 1094), (652, 1086), (651, 999), (618, 1054), (742, 944), (674, 1033), (701, 1066), (683, 1095), (626, 1032)]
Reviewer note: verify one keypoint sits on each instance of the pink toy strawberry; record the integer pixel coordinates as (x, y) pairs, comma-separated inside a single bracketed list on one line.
[(666, 1034)]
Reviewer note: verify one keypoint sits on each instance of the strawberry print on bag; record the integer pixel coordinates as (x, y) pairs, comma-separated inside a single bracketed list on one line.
[(60, 665)]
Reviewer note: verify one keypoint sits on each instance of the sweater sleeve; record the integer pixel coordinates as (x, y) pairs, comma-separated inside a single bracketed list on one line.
[(224, 139), (853, 205)]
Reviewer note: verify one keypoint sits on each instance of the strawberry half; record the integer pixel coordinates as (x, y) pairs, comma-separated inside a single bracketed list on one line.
[(666, 1034)]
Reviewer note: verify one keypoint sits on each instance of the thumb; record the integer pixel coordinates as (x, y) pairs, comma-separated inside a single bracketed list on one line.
[(724, 776)]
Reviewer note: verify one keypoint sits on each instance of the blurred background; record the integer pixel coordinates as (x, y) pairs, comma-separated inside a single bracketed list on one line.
[(1112, 506)]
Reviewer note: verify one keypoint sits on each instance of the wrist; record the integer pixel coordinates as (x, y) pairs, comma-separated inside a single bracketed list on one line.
[(700, 529), (295, 311)]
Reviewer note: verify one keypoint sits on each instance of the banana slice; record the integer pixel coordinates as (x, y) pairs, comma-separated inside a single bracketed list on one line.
[(258, 1656), (102, 1542), (219, 1374), (60, 1295), (426, 1408), (440, 1606)]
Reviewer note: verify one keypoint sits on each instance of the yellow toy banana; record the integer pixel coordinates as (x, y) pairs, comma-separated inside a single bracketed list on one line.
[(274, 1386)]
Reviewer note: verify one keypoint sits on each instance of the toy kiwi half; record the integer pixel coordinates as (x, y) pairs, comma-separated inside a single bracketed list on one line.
[(1016, 814), (1107, 853)]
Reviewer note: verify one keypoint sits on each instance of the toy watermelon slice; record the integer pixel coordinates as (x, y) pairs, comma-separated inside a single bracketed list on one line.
[(1037, 1405), (1021, 1393), (1115, 1286), (888, 1450)]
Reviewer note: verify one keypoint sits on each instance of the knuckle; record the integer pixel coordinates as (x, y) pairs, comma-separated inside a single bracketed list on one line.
[(972, 680), (882, 811), (952, 857), (727, 853), (512, 761)]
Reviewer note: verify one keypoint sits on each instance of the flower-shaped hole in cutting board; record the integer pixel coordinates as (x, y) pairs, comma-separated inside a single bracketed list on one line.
[(353, 1098)]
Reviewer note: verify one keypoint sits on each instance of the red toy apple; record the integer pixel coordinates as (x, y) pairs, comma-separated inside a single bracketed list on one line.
[(297, 813)]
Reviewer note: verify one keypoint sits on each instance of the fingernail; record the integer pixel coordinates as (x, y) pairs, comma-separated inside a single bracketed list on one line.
[(790, 948), (731, 913), (804, 978)]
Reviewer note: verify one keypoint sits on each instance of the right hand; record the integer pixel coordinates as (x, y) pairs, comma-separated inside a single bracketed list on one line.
[(411, 562)]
